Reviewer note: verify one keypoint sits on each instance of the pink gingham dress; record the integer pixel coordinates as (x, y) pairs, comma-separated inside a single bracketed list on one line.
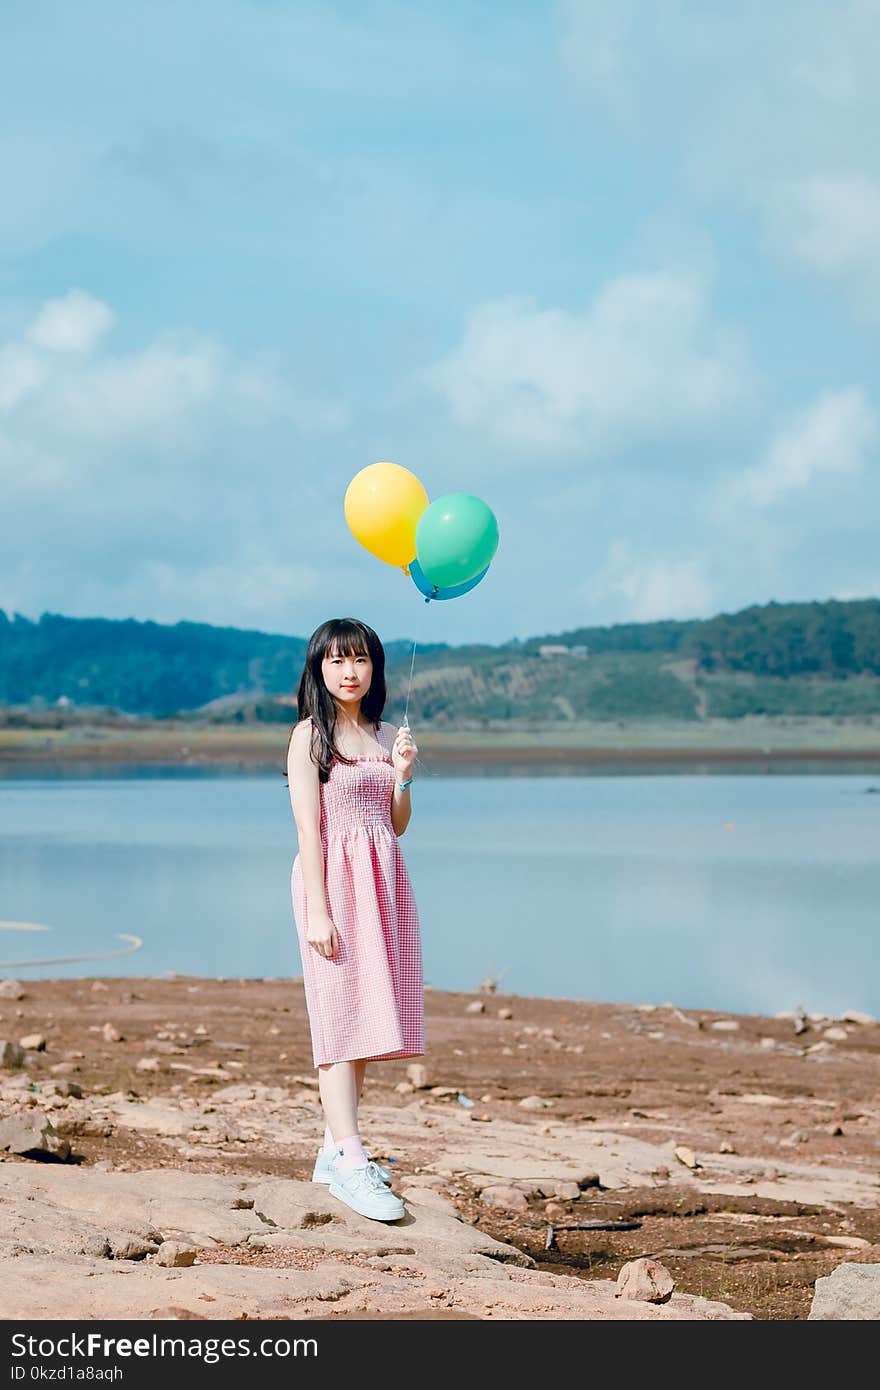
[(368, 1002)]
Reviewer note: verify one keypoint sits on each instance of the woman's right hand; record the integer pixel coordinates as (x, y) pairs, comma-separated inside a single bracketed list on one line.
[(321, 936)]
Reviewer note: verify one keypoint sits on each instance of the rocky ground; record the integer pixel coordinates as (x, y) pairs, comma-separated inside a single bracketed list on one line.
[(164, 1130)]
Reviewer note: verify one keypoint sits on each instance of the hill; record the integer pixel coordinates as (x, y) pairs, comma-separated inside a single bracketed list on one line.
[(810, 659)]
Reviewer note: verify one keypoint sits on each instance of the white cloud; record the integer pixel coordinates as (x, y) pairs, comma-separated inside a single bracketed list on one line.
[(831, 223), (641, 360), (75, 323), (833, 436), (168, 481), (646, 588)]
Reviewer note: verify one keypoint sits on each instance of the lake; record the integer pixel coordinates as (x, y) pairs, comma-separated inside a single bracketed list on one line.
[(731, 892)]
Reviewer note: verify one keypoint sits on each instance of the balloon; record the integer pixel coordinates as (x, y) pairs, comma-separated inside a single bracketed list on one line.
[(456, 538), (383, 503), (432, 591)]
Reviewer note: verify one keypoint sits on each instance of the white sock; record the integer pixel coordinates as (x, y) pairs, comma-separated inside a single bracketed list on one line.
[(351, 1154), (329, 1145)]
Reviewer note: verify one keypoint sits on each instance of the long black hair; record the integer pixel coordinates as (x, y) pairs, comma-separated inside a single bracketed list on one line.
[(342, 637)]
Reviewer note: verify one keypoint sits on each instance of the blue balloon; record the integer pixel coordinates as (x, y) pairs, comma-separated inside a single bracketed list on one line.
[(424, 585)]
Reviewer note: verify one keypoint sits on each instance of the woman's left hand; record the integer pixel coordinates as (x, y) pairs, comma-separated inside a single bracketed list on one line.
[(403, 754)]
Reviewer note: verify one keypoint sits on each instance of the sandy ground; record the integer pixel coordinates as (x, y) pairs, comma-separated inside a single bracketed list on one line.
[(784, 1126)]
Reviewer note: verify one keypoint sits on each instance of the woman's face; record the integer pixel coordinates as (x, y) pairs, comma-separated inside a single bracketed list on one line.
[(347, 677)]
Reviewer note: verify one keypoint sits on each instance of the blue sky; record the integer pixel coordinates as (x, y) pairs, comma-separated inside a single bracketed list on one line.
[(613, 268)]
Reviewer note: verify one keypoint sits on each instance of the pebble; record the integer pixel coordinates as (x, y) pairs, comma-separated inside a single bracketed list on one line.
[(822, 1046), (476, 1006), (404, 1088), (857, 1016), (98, 987), (725, 1025), (174, 1255), (646, 1281), (11, 989), (33, 1042), (533, 1103), (505, 1198), (686, 1156), (505, 1013), (768, 1042), (148, 1064), (111, 1034), (417, 1073), (725, 1147), (11, 1055), (836, 1034)]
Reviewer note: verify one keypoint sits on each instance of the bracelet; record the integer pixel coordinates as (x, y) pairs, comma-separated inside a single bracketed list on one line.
[(402, 786)]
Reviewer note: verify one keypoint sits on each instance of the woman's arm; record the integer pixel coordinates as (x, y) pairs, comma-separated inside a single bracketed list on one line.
[(305, 799), (401, 802)]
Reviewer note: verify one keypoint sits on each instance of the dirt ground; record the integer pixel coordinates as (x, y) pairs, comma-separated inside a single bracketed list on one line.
[(655, 1073)]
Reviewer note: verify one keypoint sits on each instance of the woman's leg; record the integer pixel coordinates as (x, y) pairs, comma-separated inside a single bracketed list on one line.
[(339, 1087)]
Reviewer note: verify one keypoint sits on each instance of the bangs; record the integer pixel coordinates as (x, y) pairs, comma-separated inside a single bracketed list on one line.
[(349, 642)]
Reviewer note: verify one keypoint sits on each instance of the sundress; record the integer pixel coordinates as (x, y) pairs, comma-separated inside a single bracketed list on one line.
[(368, 1002)]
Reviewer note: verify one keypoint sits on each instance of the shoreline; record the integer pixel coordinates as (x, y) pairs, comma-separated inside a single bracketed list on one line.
[(737, 1149), (753, 745)]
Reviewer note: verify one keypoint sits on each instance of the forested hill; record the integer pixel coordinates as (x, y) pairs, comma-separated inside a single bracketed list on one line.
[(811, 658)]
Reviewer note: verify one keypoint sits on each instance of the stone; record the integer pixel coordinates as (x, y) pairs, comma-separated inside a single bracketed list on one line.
[(33, 1042), (417, 1073), (686, 1156), (725, 1025), (857, 1016), (11, 989), (126, 1245), (504, 1197), (836, 1034), (476, 1006), (148, 1064), (173, 1254), (404, 1088), (819, 1047), (725, 1147), (646, 1281), (111, 1034), (505, 1013), (32, 1133), (534, 1103), (98, 987), (11, 1055), (850, 1293)]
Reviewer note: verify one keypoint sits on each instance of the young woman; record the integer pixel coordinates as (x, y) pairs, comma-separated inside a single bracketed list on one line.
[(349, 775)]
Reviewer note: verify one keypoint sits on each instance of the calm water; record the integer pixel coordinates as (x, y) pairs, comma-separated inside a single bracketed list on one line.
[(728, 892)]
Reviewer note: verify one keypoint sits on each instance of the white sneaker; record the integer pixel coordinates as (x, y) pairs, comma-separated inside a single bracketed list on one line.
[(324, 1168), (363, 1190)]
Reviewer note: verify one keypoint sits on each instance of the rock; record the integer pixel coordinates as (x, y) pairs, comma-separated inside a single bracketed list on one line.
[(505, 1198), (476, 1006), (417, 1073), (835, 1131), (98, 987), (175, 1255), (32, 1133), (11, 989), (566, 1191), (33, 1042), (125, 1245), (11, 1055), (822, 1046), (646, 1281), (63, 1068), (725, 1147), (850, 1293), (404, 1088), (534, 1103), (857, 1016), (686, 1156), (553, 1210), (174, 1314), (836, 1034), (767, 1042), (111, 1034), (505, 1013), (797, 1017), (148, 1064), (724, 1025), (71, 1089)]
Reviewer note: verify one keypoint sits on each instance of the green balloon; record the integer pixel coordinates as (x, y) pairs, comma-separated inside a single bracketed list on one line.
[(456, 538)]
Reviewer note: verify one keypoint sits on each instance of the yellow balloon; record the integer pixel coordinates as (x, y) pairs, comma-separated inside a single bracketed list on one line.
[(383, 504)]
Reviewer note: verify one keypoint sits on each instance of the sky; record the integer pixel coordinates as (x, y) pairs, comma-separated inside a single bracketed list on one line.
[(615, 269)]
